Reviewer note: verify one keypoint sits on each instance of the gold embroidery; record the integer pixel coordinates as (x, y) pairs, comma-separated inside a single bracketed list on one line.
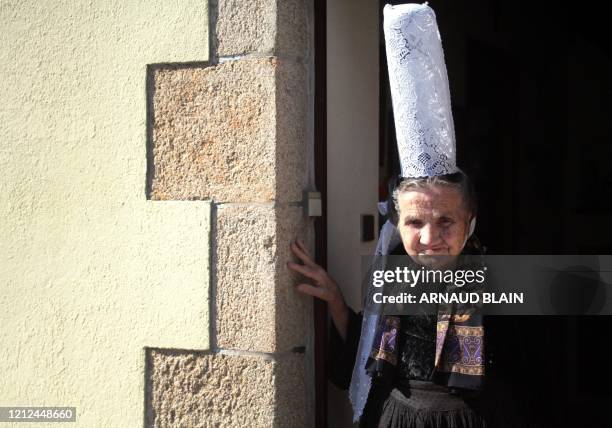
[(463, 369), (467, 331), (385, 355), (460, 318)]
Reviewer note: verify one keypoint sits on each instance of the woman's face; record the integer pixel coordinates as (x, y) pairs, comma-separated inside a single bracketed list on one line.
[(433, 224)]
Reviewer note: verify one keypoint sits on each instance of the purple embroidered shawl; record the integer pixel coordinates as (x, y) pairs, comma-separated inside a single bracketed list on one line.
[(459, 359)]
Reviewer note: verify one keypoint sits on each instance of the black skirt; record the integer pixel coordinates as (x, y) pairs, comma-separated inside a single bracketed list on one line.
[(424, 405)]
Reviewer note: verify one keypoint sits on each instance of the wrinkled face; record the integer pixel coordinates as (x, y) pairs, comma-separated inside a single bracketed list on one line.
[(433, 224)]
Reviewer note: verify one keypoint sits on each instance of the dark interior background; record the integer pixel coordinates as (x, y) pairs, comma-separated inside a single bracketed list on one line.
[(531, 90)]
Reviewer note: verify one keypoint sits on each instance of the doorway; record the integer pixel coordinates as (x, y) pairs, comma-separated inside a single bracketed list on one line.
[(530, 93)]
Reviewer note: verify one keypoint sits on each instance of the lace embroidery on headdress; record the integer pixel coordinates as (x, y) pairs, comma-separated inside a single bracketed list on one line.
[(419, 91)]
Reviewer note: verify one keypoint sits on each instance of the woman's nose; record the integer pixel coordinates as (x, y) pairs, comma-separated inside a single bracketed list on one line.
[(429, 235)]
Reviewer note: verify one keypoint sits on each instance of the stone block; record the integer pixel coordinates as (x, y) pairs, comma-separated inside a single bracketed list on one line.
[(293, 30), (256, 305), (232, 132), (290, 391), (214, 132), (190, 389), (245, 26), (271, 27), (293, 310), (292, 155)]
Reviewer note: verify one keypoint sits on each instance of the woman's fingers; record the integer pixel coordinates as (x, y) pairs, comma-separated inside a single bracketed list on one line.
[(324, 288), (303, 256), (302, 246), (311, 290), (307, 271), (303, 269)]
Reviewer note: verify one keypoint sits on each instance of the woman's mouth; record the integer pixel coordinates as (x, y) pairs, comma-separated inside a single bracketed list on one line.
[(434, 251)]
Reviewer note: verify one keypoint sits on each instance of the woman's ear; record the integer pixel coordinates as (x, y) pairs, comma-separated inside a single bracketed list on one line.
[(470, 230), (472, 226)]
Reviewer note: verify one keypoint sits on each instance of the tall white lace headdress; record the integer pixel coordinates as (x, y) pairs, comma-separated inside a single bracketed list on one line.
[(425, 136), (419, 91)]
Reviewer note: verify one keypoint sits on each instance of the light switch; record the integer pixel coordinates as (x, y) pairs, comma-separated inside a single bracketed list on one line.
[(312, 204), (367, 227)]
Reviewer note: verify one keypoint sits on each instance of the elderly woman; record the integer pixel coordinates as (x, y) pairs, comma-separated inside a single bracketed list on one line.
[(435, 215)]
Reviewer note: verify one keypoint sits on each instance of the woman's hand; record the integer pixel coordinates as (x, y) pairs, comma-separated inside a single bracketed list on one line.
[(324, 287)]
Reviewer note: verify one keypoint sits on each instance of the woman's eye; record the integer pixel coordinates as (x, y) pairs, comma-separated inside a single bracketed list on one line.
[(446, 222)]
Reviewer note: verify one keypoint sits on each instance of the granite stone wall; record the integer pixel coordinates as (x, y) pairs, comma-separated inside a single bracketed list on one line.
[(235, 130)]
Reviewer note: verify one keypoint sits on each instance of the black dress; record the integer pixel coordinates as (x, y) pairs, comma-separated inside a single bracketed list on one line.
[(413, 400)]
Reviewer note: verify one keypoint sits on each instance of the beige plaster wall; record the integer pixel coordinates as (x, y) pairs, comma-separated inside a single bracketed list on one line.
[(91, 272)]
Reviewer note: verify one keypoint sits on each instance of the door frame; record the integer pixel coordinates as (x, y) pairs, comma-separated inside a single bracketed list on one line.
[(320, 223)]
